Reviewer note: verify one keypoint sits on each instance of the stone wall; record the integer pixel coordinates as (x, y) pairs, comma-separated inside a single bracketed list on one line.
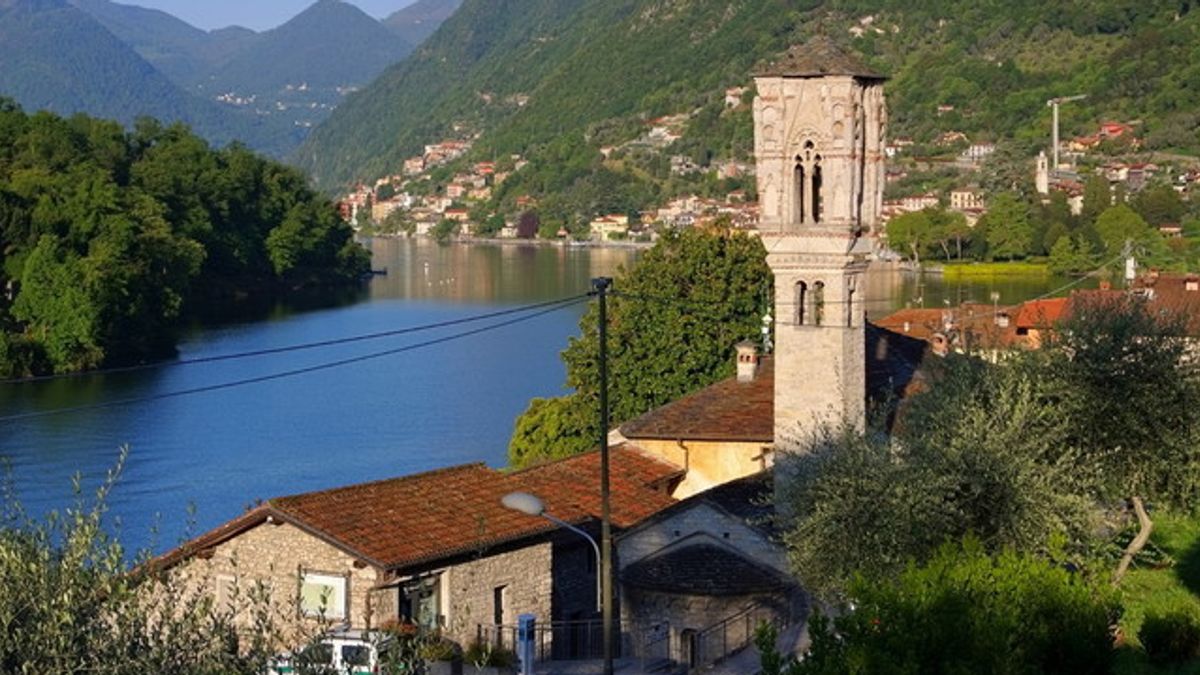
[(525, 572), (708, 463), (275, 554)]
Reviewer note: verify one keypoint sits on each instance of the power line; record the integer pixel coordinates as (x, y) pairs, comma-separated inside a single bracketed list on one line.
[(292, 348), (561, 304)]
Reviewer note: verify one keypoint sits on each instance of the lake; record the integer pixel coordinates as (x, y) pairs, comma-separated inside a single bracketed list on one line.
[(445, 404)]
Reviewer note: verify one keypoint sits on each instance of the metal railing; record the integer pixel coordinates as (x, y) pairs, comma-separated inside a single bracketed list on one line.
[(583, 640), (729, 636)]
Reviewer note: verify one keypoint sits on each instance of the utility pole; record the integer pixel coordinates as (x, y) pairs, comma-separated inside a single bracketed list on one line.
[(600, 287)]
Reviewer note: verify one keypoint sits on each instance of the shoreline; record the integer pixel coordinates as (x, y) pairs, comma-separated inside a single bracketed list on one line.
[(559, 243)]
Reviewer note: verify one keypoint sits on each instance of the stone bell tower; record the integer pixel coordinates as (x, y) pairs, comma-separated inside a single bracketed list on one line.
[(819, 127)]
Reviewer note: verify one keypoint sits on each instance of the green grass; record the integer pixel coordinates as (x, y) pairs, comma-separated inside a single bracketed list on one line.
[(952, 270), (1158, 591)]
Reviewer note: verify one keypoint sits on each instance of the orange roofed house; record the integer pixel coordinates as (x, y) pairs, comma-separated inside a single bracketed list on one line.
[(436, 548)]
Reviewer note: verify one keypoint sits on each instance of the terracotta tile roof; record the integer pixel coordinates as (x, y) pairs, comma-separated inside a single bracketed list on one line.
[(1041, 313), (818, 57), (416, 519), (913, 322), (726, 411)]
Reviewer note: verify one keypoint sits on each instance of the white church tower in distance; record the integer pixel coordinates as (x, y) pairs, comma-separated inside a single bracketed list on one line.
[(819, 126)]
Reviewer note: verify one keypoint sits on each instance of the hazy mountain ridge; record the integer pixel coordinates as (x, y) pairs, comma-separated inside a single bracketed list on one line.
[(330, 44), (54, 56), (123, 61)]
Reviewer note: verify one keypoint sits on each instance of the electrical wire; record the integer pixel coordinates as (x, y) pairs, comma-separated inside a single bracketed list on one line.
[(561, 304), (292, 348)]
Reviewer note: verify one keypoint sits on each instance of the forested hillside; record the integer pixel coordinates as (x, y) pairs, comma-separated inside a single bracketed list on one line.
[(419, 20), (594, 71), (107, 237)]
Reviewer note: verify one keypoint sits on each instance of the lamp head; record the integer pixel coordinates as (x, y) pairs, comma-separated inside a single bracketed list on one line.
[(523, 502)]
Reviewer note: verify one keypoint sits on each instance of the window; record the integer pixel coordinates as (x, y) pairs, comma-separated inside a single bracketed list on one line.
[(499, 595), (421, 601), (323, 595)]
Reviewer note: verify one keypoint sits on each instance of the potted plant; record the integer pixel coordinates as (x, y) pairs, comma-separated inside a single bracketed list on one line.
[(487, 659), (442, 657)]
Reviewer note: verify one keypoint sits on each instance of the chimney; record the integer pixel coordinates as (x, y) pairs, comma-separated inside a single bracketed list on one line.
[(747, 361)]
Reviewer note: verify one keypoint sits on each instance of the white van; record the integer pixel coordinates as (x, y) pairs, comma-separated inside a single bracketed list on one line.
[(344, 652)]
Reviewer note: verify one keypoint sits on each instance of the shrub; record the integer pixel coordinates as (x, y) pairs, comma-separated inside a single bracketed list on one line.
[(1170, 638), (484, 655), (966, 611)]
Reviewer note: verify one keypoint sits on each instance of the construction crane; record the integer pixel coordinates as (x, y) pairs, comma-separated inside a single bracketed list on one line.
[(1054, 103)]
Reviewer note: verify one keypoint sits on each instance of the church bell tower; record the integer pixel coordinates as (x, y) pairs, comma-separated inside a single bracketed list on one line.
[(819, 127)]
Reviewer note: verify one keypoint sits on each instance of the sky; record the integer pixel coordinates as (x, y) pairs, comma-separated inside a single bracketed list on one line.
[(256, 14)]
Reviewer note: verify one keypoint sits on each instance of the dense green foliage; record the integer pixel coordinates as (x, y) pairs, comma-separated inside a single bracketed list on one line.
[(1021, 453), (107, 236), (1171, 638), (418, 21), (966, 611), (673, 324), (1018, 227)]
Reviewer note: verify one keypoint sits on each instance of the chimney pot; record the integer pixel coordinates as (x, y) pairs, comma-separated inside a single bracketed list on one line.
[(747, 361)]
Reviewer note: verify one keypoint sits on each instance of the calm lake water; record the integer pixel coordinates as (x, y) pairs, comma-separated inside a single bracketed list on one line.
[(448, 404)]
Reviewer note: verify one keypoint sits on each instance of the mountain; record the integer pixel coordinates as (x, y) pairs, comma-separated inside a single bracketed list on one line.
[(54, 56), (181, 51), (526, 73), (329, 45), (531, 70), (419, 20)]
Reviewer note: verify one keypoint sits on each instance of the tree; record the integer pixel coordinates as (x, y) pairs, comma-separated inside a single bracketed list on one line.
[(1159, 205), (979, 453), (1097, 196), (1119, 224), (949, 228), (673, 322), (1009, 232), (910, 232), (553, 428), (1129, 390), (1069, 256)]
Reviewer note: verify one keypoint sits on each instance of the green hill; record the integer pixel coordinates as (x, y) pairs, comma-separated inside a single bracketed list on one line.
[(419, 20), (600, 67)]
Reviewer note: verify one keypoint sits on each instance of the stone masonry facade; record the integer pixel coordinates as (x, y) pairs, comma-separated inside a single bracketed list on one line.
[(525, 575), (276, 554)]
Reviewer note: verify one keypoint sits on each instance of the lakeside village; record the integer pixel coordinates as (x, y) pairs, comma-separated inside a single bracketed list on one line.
[(699, 561), (444, 195)]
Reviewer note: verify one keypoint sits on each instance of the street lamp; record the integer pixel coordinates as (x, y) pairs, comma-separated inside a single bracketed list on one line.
[(530, 505)]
